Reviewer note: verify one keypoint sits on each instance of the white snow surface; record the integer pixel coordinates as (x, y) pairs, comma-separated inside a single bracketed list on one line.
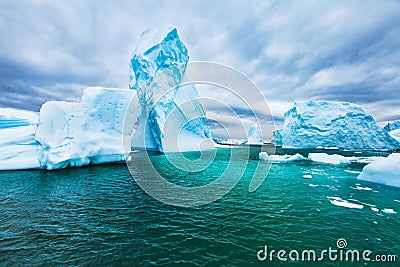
[(383, 171)]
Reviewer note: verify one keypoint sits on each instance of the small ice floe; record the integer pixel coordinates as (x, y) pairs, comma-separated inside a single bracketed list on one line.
[(374, 209), (350, 171), (280, 158), (389, 211), (344, 203), (307, 176), (362, 188), (375, 222), (328, 159), (313, 185), (396, 200), (317, 170)]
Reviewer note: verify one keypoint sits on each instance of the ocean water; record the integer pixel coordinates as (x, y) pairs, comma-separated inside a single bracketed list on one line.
[(99, 215)]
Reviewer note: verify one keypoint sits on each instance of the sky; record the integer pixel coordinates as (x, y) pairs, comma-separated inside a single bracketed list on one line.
[(292, 50)]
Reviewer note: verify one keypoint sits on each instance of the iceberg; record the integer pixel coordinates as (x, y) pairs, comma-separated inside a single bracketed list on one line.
[(162, 111), (68, 133), (253, 135), (343, 125), (171, 115), (19, 149), (383, 171), (392, 126), (393, 129), (90, 131)]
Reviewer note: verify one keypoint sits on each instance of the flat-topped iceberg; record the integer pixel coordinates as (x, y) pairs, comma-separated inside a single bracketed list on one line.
[(171, 117), (343, 125), (383, 171), (90, 131), (68, 133)]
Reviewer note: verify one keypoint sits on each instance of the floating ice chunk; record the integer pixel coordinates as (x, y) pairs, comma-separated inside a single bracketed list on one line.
[(328, 159), (313, 185), (307, 176), (389, 211), (364, 160), (278, 158), (343, 203), (375, 209), (383, 171), (350, 171), (363, 188)]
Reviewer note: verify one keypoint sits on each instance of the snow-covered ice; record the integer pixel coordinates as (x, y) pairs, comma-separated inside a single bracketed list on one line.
[(383, 171), (328, 159), (280, 158), (389, 211), (325, 124), (344, 203)]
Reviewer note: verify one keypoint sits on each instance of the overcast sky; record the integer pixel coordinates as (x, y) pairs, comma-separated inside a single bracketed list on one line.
[(293, 50)]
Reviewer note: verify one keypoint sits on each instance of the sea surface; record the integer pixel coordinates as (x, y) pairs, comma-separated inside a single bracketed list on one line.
[(99, 215)]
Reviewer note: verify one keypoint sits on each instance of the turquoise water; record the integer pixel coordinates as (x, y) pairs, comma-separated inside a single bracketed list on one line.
[(100, 216)]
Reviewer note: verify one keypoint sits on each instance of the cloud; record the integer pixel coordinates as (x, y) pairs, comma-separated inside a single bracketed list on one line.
[(293, 50)]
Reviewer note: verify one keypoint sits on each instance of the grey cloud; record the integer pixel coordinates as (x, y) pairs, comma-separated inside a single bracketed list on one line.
[(54, 49)]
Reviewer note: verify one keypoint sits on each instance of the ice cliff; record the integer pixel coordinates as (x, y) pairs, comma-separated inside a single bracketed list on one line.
[(67, 133), (326, 124), (171, 116), (90, 131)]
